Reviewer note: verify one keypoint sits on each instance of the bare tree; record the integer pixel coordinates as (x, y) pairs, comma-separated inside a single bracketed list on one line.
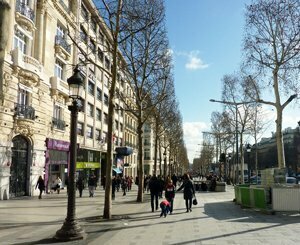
[(272, 55), (240, 105), (145, 53)]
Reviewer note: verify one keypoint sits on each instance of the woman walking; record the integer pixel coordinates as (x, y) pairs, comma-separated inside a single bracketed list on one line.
[(188, 192), (40, 185)]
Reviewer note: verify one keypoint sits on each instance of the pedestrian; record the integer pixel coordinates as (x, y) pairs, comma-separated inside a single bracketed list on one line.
[(92, 185), (40, 185), (174, 179), (188, 191), (124, 185), (129, 183), (165, 208), (58, 184), (80, 185), (113, 187), (170, 193), (154, 186)]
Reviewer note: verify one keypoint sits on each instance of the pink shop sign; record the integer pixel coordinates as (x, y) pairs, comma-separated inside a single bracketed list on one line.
[(57, 145)]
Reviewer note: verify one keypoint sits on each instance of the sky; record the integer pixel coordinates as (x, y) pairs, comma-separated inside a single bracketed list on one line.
[(206, 41)]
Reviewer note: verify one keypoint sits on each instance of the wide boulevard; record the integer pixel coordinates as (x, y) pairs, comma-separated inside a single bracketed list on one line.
[(215, 220)]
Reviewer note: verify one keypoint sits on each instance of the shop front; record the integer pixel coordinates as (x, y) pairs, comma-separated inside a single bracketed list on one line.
[(57, 158), (88, 162)]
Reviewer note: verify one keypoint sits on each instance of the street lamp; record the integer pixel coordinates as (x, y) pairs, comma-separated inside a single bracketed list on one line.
[(248, 149), (71, 230), (227, 169), (236, 104)]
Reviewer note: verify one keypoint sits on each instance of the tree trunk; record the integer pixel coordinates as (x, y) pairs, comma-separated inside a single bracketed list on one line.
[(111, 113), (279, 139)]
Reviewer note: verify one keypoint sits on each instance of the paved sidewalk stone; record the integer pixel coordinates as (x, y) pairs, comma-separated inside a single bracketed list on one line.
[(215, 220)]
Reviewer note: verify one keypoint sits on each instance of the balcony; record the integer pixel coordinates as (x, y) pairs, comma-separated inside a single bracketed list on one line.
[(26, 66), (58, 86), (58, 123), (24, 15), (24, 112), (62, 48)]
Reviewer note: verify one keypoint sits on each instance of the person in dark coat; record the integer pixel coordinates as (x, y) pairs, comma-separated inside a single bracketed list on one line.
[(92, 183), (170, 193), (154, 186), (80, 186), (188, 192), (40, 185), (113, 187)]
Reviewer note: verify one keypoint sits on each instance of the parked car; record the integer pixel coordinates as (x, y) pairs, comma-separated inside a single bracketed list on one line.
[(255, 180), (291, 181)]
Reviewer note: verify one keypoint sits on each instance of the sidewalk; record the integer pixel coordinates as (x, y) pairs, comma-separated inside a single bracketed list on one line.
[(215, 220)]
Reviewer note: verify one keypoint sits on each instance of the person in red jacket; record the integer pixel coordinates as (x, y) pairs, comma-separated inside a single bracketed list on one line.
[(170, 193), (165, 208)]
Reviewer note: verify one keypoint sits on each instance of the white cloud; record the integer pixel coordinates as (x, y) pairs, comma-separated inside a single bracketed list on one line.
[(193, 137), (195, 63)]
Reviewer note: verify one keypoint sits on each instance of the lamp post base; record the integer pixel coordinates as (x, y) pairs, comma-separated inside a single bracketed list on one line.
[(70, 231)]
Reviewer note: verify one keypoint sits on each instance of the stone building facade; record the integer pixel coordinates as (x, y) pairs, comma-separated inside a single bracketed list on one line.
[(34, 115)]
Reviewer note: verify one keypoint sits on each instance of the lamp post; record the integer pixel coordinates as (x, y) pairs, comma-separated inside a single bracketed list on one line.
[(236, 104), (248, 149), (227, 169), (71, 230)]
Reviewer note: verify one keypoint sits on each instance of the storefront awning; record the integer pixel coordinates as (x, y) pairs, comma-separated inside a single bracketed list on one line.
[(117, 170)]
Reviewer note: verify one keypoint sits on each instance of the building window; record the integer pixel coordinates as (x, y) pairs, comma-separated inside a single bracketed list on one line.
[(104, 138), (89, 131), (101, 37), (57, 120), (23, 97), (58, 69), (121, 111), (20, 41), (91, 88), (98, 134), (84, 12), (121, 127), (83, 35), (98, 114), (107, 63), (100, 55), (106, 99), (105, 115), (116, 125), (94, 25), (93, 46), (80, 128), (99, 94), (90, 110)]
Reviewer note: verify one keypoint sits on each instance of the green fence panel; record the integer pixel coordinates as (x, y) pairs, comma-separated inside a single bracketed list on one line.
[(259, 198), (245, 196)]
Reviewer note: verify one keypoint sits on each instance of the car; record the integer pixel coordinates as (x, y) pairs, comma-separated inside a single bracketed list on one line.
[(255, 180), (291, 181)]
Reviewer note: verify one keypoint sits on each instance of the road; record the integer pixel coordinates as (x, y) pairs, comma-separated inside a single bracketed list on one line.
[(215, 220)]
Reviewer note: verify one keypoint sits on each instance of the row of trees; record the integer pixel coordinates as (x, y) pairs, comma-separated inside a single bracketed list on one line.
[(269, 75), (139, 49)]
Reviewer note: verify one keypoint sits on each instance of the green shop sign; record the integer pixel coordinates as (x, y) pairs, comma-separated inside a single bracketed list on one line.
[(87, 159), (80, 165)]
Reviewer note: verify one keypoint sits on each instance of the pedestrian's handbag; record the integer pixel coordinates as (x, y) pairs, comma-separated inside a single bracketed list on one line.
[(195, 202)]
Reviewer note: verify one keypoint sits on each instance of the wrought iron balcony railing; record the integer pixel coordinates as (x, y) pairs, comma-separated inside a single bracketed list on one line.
[(59, 40), (25, 10), (25, 111), (58, 123)]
